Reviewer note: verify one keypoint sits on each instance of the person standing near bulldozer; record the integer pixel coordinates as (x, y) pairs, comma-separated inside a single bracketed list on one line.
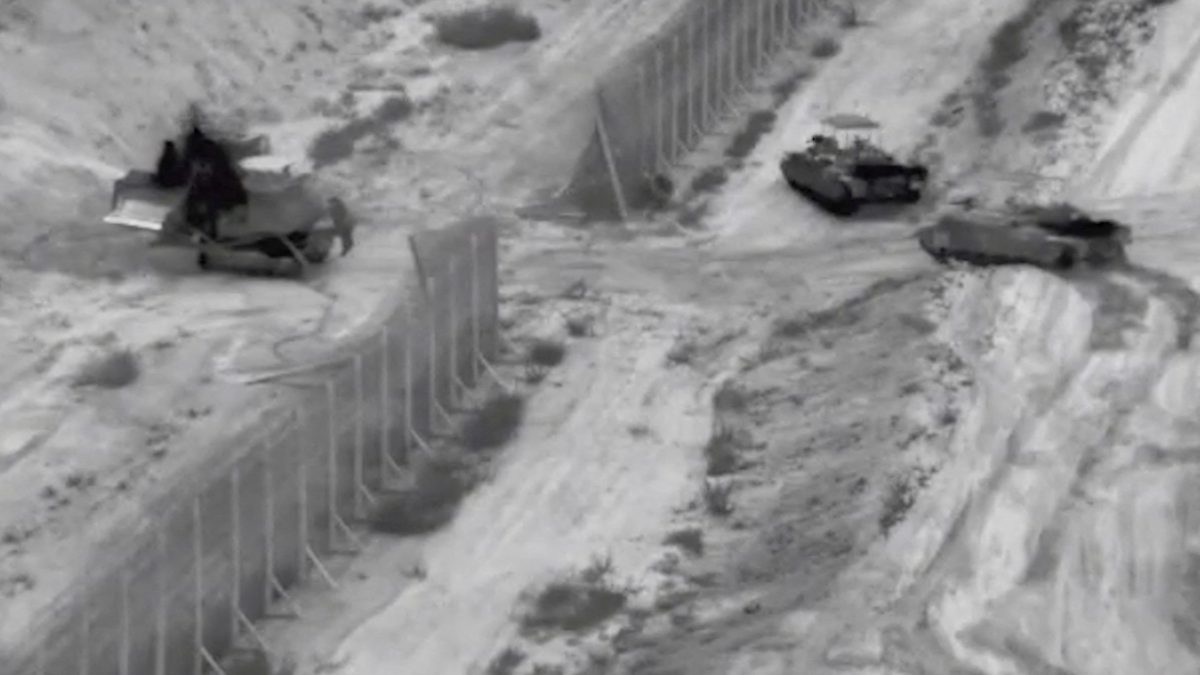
[(343, 222)]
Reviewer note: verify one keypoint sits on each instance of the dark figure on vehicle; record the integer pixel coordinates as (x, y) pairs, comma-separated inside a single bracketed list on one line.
[(172, 170), (215, 185)]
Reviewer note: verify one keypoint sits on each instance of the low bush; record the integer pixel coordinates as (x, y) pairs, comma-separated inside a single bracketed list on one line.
[(495, 422), (718, 498), (547, 353), (760, 123), (826, 47), (486, 27), (506, 662), (720, 453), (438, 489), (111, 371), (710, 179), (730, 397), (575, 603), (690, 541), (1043, 120), (336, 144)]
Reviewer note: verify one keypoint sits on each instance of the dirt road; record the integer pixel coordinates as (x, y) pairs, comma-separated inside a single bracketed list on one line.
[(1056, 536)]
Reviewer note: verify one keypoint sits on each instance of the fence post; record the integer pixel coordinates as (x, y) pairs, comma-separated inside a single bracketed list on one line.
[(788, 26), (609, 161), (673, 154), (733, 46), (385, 411), (659, 121), (235, 546), (722, 68), (761, 34), (454, 361), (331, 457), (431, 308), (409, 330), (160, 614), (85, 638), (688, 74), (268, 528), (747, 50), (644, 149), (123, 656), (476, 352), (304, 545), (705, 69), (198, 590), (360, 486)]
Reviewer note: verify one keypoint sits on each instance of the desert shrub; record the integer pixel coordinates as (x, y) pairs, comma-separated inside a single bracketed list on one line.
[(826, 47), (781, 91), (438, 489), (573, 604), (495, 422), (720, 453), (683, 351), (1042, 120), (730, 397), (581, 325), (718, 498), (896, 503), (506, 662), (393, 109), (336, 144), (486, 27), (375, 13), (850, 17), (710, 179), (690, 540), (113, 370), (547, 353), (1005, 49), (746, 139)]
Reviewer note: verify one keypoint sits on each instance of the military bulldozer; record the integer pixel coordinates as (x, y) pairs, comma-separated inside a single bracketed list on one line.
[(232, 201), (841, 175), (1057, 237)]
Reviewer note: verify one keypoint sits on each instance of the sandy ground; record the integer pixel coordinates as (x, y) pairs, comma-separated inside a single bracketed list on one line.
[(81, 467), (954, 471), (951, 471)]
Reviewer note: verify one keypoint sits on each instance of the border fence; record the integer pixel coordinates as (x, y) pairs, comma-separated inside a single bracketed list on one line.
[(279, 507), (656, 107), (226, 555)]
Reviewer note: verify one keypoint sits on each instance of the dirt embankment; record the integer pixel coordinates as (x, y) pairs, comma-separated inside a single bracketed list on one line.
[(1049, 525)]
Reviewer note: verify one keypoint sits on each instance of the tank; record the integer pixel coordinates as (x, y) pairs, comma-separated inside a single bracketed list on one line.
[(840, 178), (1048, 237)]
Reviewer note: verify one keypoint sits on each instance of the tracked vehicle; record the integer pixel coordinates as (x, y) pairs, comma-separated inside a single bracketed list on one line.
[(842, 175), (1058, 237), (237, 205)]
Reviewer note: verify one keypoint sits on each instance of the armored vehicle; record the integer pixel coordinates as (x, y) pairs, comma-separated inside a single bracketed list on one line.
[(840, 176), (227, 199), (1058, 237)]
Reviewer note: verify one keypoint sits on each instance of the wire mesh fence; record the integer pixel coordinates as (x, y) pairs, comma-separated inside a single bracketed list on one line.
[(227, 552), (656, 107)]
